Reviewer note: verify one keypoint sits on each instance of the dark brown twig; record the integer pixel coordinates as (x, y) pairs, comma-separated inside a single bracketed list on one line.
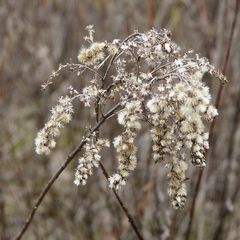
[(2, 215), (212, 126), (124, 208), (68, 160), (150, 13), (60, 170), (224, 211)]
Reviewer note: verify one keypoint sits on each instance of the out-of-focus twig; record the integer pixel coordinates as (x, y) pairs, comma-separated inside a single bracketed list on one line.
[(205, 24), (223, 213), (150, 13), (2, 216), (3, 61), (212, 126)]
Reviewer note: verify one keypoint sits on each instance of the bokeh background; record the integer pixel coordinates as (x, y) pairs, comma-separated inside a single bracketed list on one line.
[(36, 36)]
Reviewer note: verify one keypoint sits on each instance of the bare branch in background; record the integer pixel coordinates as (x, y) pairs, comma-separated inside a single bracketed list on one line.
[(212, 126)]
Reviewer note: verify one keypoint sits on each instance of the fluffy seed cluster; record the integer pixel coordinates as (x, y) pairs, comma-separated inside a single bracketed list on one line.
[(125, 143), (159, 88), (61, 115), (176, 186), (177, 112), (112, 48), (90, 159), (92, 55)]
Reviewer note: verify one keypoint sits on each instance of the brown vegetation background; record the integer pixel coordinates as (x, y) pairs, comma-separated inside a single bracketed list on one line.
[(35, 36)]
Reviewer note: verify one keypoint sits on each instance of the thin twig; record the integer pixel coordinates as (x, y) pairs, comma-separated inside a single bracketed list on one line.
[(150, 13), (224, 211), (212, 126), (124, 208), (60, 170), (116, 55), (2, 215)]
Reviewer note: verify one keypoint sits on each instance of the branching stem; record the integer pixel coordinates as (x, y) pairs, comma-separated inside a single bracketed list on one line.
[(60, 170), (212, 126)]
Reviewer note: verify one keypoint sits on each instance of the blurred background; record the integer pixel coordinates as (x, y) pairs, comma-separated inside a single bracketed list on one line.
[(35, 37)]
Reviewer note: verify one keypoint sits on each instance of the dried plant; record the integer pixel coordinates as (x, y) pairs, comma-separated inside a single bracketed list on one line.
[(129, 167), (158, 88)]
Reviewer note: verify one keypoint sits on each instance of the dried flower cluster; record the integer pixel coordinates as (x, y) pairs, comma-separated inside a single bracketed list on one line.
[(90, 159), (92, 55), (177, 113), (158, 88), (61, 115), (129, 117), (177, 187)]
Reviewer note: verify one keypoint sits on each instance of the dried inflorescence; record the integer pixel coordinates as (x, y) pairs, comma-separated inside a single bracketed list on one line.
[(178, 113), (157, 88), (92, 55), (91, 158), (61, 115), (125, 145), (176, 186)]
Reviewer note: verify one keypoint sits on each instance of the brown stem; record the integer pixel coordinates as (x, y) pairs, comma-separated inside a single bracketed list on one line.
[(59, 171), (114, 58), (217, 104), (150, 13), (2, 216), (124, 208), (224, 212), (64, 165), (47, 188)]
